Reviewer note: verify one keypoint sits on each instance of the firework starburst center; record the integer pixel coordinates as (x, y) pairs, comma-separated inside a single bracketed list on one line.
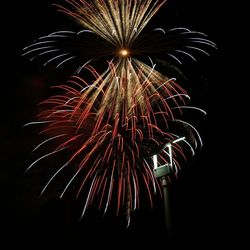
[(124, 52)]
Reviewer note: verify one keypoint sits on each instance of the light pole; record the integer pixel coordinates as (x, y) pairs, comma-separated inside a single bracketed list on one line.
[(162, 172)]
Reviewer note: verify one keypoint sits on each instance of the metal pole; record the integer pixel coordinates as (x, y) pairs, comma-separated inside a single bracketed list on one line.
[(162, 172), (166, 205)]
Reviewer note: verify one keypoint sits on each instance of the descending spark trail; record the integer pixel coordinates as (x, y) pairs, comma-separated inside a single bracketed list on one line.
[(114, 146), (114, 124)]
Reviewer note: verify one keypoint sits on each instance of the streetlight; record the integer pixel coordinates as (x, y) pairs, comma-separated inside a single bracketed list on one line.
[(162, 172)]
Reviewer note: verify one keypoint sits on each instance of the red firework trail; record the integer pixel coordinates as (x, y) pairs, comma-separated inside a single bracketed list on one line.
[(114, 125)]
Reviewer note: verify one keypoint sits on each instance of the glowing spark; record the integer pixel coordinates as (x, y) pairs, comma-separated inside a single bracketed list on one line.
[(179, 139), (124, 52)]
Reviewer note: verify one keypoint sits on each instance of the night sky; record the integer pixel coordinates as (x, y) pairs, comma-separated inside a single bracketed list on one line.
[(198, 197)]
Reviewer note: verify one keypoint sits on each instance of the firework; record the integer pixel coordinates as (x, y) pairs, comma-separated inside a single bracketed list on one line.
[(114, 125), (115, 33)]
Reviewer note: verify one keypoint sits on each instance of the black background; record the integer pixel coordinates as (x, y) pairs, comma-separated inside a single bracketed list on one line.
[(199, 198)]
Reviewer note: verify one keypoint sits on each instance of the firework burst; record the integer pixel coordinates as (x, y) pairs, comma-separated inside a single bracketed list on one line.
[(116, 123), (114, 32)]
